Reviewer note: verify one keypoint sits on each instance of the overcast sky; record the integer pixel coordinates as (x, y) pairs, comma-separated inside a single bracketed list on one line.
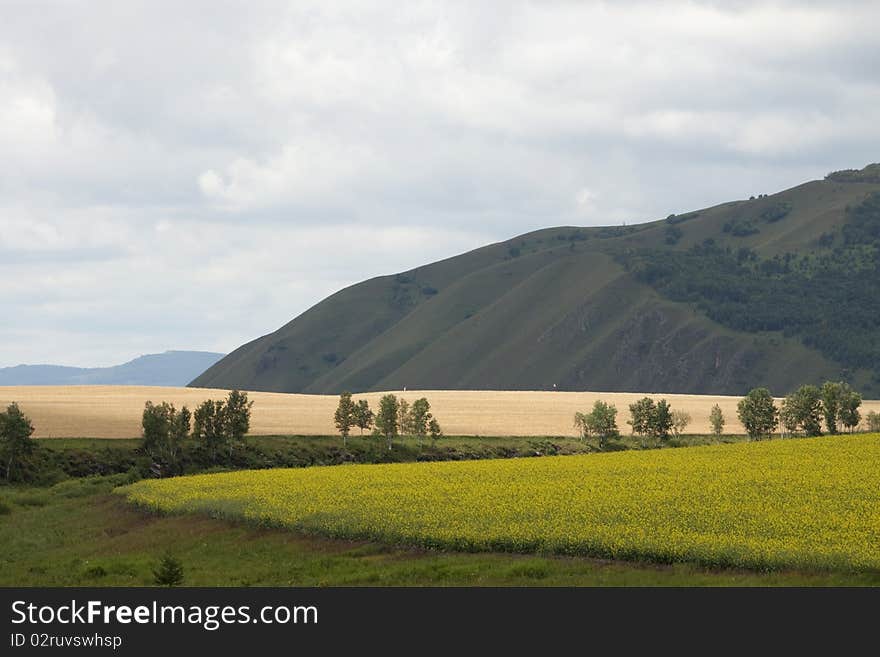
[(193, 175)]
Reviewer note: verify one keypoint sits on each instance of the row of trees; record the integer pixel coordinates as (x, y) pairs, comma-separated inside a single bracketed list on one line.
[(648, 419), (803, 411), (395, 417), (217, 425)]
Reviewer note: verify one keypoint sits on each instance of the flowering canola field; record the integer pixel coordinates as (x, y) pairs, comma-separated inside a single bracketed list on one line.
[(807, 503)]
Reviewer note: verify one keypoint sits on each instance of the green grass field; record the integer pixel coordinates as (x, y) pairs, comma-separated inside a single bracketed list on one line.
[(78, 534)]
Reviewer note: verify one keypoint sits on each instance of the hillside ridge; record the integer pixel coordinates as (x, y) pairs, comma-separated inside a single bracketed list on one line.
[(632, 307), (170, 368)]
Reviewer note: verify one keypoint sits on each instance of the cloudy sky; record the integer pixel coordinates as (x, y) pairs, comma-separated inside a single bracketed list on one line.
[(193, 175)]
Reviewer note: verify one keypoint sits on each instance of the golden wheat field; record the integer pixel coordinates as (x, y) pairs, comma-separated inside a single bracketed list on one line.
[(115, 411), (808, 503)]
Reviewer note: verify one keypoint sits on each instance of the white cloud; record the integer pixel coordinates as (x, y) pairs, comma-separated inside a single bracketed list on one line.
[(163, 154), (27, 113)]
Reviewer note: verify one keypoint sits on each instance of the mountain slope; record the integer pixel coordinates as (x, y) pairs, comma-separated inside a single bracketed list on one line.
[(635, 308), (172, 368)]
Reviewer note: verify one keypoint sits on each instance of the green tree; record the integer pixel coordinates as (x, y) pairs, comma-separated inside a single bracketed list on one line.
[(156, 426), (788, 414), (641, 412), (434, 430), (164, 431), (223, 425), (802, 411), (603, 421), (661, 421), (363, 416), (419, 417), (849, 408), (238, 417), (386, 418), (680, 422), (208, 426), (758, 413), (650, 418), (178, 433), (832, 394), (600, 422), (169, 573), (16, 443), (404, 419), (345, 415), (716, 420), (873, 420)]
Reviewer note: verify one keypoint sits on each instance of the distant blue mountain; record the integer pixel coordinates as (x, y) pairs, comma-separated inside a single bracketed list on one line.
[(173, 368)]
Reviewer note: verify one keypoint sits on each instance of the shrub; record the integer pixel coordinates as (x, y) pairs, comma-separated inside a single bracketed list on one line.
[(96, 572), (169, 573)]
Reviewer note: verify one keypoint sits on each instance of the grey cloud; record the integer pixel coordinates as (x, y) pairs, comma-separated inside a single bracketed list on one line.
[(159, 154)]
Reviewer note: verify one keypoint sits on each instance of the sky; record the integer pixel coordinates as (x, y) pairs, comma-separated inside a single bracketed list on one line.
[(194, 175)]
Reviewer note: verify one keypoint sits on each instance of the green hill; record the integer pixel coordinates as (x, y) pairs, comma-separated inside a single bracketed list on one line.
[(777, 290)]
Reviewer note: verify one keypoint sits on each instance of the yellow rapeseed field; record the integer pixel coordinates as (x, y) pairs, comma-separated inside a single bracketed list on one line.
[(806, 503)]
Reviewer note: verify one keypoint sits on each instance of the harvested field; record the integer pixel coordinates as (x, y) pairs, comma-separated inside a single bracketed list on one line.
[(115, 411)]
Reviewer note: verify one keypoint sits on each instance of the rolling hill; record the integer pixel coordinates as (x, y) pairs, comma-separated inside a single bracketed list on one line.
[(776, 290), (172, 368)]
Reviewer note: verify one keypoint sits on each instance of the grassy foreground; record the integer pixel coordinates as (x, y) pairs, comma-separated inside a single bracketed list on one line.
[(812, 504), (78, 534)]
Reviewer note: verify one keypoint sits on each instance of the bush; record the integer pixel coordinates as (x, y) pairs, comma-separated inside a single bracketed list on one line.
[(673, 234), (169, 573), (32, 499), (870, 174), (85, 486), (96, 572), (776, 212), (47, 477), (740, 227)]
